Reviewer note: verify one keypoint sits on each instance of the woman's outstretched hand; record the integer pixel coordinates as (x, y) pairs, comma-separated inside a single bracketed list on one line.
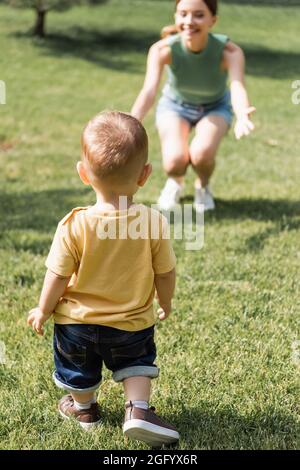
[(244, 125)]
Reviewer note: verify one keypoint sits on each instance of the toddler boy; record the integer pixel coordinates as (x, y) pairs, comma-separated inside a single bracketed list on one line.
[(104, 266)]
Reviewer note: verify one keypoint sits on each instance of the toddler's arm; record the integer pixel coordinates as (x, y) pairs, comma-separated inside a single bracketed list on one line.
[(53, 289), (165, 286)]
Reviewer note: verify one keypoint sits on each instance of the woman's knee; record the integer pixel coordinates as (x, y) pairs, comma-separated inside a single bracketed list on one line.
[(176, 165), (203, 156)]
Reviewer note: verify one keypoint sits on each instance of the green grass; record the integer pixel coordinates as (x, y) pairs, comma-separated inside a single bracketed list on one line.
[(227, 377)]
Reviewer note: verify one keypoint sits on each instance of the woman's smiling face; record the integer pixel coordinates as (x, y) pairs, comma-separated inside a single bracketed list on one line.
[(193, 18)]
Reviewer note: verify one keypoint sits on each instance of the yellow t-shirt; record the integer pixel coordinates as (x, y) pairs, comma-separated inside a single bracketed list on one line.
[(112, 258)]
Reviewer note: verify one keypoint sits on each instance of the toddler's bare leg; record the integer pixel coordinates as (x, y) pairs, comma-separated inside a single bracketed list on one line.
[(137, 388), (83, 397), (141, 422), (81, 406)]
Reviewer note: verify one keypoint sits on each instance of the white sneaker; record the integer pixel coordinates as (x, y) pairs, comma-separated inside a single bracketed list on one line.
[(170, 195), (204, 200)]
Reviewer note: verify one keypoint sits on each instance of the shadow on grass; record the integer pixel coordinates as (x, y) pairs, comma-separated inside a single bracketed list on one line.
[(228, 430), (280, 210), (259, 209), (38, 212), (106, 49), (41, 211), (257, 242), (111, 50), (261, 61), (283, 214), (225, 429)]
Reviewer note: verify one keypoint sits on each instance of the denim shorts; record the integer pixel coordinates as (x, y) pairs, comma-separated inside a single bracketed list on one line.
[(194, 113), (80, 350)]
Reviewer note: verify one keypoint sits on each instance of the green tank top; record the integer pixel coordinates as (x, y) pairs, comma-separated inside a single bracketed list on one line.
[(196, 77)]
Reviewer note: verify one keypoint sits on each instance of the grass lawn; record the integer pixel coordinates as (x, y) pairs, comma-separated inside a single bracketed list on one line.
[(227, 375)]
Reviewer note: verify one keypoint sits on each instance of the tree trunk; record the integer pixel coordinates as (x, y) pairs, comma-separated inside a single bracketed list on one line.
[(39, 27)]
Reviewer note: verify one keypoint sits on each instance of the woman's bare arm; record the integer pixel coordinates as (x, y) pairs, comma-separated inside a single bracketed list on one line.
[(159, 55)]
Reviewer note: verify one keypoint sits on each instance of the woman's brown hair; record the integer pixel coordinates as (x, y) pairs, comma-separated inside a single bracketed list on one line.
[(172, 29)]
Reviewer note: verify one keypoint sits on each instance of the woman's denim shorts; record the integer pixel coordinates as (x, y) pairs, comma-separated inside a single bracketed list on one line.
[(194, 113)]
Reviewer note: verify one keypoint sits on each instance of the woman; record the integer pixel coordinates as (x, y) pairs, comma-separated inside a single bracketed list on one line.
[(195, 95)]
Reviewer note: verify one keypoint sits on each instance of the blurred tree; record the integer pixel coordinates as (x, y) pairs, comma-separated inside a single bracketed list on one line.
[(42, 7)]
